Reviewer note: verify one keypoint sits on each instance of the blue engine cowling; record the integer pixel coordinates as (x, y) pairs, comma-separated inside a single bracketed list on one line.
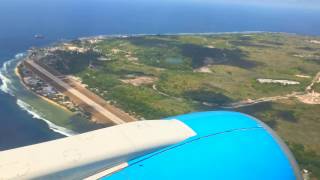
[(228, 145)]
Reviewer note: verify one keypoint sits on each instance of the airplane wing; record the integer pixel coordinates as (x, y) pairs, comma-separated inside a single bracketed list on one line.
[(207, 145)]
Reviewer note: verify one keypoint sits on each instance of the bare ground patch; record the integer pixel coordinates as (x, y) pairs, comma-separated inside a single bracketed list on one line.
[(141, 80)]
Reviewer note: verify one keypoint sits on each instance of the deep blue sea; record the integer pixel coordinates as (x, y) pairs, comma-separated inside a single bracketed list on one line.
[(59, 20)]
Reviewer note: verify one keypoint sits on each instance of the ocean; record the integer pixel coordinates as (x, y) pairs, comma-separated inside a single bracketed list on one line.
[(60, 20)]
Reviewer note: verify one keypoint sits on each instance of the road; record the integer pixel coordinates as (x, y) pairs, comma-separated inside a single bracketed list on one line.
[(97, 107), (260, 100), (308, 89), (314, 80)]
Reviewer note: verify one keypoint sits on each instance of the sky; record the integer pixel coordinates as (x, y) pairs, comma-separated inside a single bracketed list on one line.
[(299, 4), (278, 2), (314, 4)]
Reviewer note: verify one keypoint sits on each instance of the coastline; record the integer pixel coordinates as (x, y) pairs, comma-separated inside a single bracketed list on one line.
[(16, 71), (61, 106), (35, 106), (185, 34), (54, 103), (57, 117)]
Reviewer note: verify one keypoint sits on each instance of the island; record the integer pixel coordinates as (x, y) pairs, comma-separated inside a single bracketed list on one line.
[(118, 79)]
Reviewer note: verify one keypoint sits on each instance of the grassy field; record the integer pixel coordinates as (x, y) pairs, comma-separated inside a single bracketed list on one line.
[(207, 72)]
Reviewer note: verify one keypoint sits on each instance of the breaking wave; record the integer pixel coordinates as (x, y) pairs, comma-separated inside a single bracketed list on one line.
[(61, 130), (7, 86)]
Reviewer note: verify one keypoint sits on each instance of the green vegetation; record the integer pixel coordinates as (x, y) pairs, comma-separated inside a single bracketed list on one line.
[(143, 99), (307, 159), (316, 87), (72, 62), (207, 72)]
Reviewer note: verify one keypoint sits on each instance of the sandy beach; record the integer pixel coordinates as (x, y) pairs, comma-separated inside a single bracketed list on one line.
[(42, 97)]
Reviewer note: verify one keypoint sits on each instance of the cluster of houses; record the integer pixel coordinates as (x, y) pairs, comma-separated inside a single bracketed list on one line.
[(38, 86)]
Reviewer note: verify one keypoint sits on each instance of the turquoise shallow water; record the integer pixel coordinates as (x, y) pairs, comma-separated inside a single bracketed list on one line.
[(58, 20)]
